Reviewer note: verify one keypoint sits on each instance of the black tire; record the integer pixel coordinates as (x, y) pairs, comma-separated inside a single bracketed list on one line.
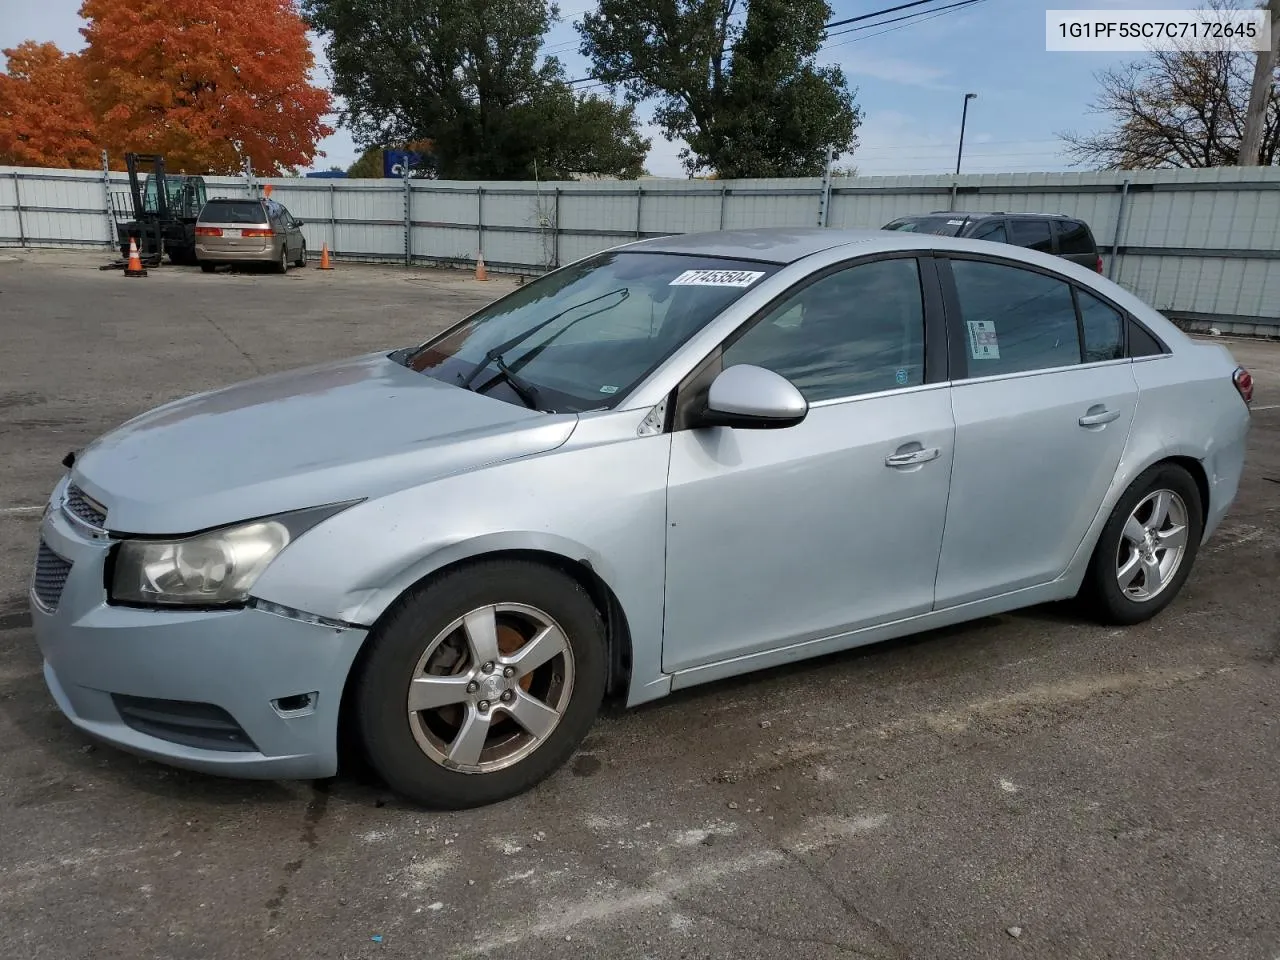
[(302, 256), (208, 267), (281, 264), (1102, 589), (400, 640)]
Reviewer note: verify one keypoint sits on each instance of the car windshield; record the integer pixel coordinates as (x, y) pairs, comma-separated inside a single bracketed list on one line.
[(582, 337), (943, 226), (233, 211)]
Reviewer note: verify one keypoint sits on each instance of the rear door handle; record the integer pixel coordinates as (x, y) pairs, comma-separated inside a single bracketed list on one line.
[(1097, 419), (912, 458)]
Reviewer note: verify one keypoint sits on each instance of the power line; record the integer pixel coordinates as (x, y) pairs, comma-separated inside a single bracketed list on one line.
[(910, 16)]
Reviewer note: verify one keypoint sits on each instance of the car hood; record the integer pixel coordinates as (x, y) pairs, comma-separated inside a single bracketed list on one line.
[(356, 428)]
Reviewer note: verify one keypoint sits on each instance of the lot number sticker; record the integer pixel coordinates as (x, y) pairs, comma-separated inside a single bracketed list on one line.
[(717, 278), (983, 344)]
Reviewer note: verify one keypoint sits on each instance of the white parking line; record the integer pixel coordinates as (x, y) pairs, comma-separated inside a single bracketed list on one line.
[(16, 510), (1269, 406)]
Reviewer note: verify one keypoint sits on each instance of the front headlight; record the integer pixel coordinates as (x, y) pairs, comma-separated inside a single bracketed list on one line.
[(217, 568)]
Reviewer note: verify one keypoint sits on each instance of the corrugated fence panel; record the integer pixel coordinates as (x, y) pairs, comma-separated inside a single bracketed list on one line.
[(1202, 243)]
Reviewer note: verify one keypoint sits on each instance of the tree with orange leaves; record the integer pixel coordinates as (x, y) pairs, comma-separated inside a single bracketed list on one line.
[(204, 82), (44, 119)]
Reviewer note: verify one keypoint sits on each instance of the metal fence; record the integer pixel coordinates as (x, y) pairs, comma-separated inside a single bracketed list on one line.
[(1201, 245)]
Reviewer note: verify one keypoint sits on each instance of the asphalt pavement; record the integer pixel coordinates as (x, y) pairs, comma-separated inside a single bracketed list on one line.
[(1030, 785)]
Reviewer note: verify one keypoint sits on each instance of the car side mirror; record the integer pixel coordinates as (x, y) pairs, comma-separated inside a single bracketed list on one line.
[(297, 222), (753, 398)]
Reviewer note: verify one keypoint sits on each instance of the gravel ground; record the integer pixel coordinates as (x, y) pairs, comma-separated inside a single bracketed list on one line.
[(1029, 785)]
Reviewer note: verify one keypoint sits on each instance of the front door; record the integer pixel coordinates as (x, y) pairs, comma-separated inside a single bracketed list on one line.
[(1041, 422), (780, 536)]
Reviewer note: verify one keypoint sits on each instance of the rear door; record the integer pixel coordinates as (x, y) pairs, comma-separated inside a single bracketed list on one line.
[(1043, 399), (991, 229)]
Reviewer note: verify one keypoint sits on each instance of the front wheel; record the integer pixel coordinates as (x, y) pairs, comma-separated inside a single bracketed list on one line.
[(1147, 547), (481, 684), (208, 267)]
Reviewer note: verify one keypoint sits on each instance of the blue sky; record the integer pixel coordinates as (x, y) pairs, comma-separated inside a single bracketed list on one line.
[(910, 81)]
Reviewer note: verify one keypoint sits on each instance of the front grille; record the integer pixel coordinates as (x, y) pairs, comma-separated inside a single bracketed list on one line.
[(50, 577), (186, 722), (76, 502)]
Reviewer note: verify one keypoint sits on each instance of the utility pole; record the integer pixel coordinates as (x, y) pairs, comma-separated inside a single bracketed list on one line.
[(1260, 94), (964, 115)]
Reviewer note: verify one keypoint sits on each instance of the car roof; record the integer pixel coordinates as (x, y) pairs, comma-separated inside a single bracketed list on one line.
[(771, 244)]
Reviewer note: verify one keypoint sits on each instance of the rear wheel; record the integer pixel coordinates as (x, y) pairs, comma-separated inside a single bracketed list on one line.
[(302, 256), (1147, 547), (282, 262), (208, 267), (481, 684)]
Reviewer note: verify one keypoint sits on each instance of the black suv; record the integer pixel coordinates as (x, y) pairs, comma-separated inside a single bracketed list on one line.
[(1053, 233)]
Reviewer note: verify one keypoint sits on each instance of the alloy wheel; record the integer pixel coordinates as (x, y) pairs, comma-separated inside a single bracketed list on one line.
[(490, 688), (1152, 545)]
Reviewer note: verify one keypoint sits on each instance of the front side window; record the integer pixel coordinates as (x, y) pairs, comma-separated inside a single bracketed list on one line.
[(994, 233), (1033, 234), (584, 336), (1013, 319), (857, 331)]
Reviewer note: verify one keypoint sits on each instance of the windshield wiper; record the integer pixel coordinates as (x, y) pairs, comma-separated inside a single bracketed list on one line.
[(524, 390), (494, 354)]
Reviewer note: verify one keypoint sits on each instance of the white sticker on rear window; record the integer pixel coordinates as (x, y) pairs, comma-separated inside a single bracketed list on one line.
[(954, 223), (608, 388), (983, 343), (717, 278)]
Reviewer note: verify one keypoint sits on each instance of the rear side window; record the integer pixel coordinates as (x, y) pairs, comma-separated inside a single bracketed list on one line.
[(233, 211), (1141, 342), (1014, 320), (1103, 329), (1074, 237), (1033, 234)]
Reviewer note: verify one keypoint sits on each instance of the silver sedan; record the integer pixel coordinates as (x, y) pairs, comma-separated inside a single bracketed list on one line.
[(675, 461)]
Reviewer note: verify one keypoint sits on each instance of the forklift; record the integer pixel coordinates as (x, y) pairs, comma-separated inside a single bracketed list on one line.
[(159, 213)]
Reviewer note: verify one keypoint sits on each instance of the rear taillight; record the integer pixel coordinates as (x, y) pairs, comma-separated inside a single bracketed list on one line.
[(208, 231), (257, 233), (1098, 265), (1243, 380)]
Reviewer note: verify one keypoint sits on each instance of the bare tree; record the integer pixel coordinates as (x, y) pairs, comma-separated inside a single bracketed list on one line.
[(1180, 108)]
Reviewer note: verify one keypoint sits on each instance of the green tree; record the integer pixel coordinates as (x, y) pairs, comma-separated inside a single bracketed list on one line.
[(467, 75), (368, 165), (748, 99)]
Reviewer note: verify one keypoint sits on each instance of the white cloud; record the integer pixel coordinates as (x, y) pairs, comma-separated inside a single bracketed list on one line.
[(896, 70)]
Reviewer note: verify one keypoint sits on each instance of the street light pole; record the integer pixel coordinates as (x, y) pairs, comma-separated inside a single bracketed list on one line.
[(963, 117)]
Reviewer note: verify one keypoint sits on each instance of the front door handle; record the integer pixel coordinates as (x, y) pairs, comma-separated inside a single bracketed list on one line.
[(912, 458), (1098, 417)]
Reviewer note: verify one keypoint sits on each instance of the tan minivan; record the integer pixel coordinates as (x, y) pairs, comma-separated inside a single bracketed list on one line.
[(248, 231)]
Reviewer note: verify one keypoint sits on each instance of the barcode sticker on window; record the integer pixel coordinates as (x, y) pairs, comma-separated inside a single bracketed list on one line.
[(717, 278), (983, 343)]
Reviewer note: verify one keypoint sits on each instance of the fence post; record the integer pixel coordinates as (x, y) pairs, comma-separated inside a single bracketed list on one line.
[(106, 193), (17, 203), (480, 222), (555, 231), (824, 190), (954, 185), (639, 208), (1115, 243), (408, 222), (333, 218)]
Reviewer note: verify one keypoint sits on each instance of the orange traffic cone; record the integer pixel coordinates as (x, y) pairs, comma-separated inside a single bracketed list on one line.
[(481, 272), (135, 267), (324, 258)]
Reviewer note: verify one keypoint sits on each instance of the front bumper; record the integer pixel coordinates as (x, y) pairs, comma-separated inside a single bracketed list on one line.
[(240, 663)]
